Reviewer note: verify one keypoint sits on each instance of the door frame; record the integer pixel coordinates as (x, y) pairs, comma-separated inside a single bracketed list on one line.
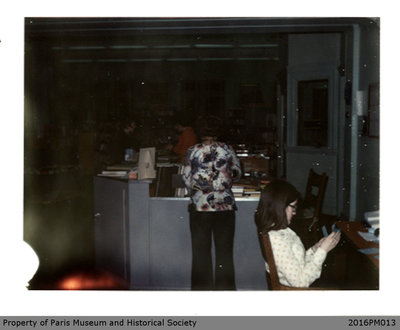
[(330, 152)]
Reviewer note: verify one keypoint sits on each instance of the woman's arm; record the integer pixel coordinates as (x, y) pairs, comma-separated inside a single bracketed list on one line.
[(294, 266), (187, 176), (235, 166)]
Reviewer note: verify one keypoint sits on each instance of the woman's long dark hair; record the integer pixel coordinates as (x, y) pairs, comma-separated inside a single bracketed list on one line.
[(271, 209)]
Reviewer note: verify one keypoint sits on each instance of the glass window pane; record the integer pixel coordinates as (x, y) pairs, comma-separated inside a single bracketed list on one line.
[(312, 117)]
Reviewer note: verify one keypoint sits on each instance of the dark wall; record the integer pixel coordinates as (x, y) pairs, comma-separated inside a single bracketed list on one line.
[(75, 82)]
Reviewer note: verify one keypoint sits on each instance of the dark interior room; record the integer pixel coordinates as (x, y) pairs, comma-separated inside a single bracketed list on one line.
[(294, 94)]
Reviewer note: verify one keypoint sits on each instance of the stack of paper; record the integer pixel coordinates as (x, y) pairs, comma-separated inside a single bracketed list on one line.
[(237, 190), (252, 192), (370, 237), (368, 251), (113, 173), (372, 218)]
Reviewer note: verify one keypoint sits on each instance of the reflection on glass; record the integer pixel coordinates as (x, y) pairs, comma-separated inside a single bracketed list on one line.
[(312, 119)]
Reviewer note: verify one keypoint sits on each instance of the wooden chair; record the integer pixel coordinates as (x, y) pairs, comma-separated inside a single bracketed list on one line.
[(306, 224), (315, 192), (272, 275)]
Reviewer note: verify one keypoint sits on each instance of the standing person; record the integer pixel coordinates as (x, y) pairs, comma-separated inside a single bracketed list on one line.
[(208, 172), (186, 139), (296, 267)]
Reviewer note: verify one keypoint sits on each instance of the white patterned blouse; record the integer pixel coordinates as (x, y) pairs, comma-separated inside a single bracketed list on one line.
[(296, 267)]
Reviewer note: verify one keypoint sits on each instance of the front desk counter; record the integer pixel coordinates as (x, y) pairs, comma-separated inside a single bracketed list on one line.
[(146, 240)]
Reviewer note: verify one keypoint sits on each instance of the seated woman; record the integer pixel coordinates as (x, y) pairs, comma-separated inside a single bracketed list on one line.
[(296, 267)]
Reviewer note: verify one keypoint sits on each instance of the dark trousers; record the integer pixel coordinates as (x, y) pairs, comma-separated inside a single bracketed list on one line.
[(220, 226)]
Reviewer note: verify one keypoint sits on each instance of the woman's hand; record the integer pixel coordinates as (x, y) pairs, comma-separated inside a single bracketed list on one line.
[(318, 244), (329, 242)]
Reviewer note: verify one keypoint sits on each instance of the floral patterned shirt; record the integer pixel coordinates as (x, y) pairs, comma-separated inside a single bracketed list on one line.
[(296, 267), (208, 172)]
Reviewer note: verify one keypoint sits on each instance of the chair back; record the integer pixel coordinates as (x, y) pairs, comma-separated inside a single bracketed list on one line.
[(315, 192), (307, 222), (272, 275)]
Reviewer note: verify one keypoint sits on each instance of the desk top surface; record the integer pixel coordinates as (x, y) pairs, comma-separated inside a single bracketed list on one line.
[(351, 229)]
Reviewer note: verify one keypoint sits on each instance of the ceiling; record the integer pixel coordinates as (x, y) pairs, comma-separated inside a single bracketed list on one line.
[(76, 40)]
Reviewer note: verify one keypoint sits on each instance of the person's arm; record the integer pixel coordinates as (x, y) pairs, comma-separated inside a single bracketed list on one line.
[(292, 263), (310, 252), (235, 167), (187, 176), (329, 243)]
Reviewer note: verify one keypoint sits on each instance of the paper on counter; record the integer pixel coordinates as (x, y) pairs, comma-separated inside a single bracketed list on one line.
[(368, 236), (369, 250), (372, 218), (113, 174), (116, 173)]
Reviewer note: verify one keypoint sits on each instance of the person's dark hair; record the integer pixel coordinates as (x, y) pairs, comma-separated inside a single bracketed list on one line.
[(271, 209), (181, 119), (209, 125)]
